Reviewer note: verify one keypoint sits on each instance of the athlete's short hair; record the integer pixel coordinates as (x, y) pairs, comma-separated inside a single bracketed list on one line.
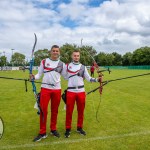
[(54, 46)]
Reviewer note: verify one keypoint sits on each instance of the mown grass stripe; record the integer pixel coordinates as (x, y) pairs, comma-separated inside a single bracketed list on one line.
[(77, 140)]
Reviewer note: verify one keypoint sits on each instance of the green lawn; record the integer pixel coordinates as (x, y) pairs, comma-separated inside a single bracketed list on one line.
[(124, 115)]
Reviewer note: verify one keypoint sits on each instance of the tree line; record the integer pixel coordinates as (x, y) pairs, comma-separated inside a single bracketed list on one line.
[(17, 59), (140, 56)]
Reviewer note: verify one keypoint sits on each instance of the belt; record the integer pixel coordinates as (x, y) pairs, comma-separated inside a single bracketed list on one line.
[(77, 87), (49, 84)]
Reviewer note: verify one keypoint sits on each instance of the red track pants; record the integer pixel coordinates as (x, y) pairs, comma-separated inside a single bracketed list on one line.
[(45, 96), (80, 101)]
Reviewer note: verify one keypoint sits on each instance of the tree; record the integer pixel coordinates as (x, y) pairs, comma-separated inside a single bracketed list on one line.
[(104, 59), (18, 59), (141, 56), (101, 59), (109, 59), (3, 61), (66, 51), (127, 59), (40, 55), (117, 59), (85, 51)]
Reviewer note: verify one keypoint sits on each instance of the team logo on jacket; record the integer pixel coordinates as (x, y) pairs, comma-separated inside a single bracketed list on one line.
[(70, 67), (48, 64)]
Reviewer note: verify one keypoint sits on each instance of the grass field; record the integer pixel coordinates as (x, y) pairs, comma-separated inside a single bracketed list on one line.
[(124, 115)]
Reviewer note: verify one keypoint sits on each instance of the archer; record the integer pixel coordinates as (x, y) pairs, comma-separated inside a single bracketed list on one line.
[(52, 68), (76, 72)]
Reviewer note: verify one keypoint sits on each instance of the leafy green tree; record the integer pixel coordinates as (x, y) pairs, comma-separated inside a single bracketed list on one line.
[(141, 56), (127, 59), (39, 55), (101, 59), (66, 51), (109, 59), (3, 61), (104, 59), (117, 61), (138, 57), (18, 59), (86, 51)]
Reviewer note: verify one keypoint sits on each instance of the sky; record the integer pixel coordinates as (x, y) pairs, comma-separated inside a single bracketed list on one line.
[(107, 25)]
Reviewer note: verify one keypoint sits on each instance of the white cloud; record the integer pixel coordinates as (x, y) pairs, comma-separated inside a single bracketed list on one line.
[(117, 25), (73, 10), (79, 1)]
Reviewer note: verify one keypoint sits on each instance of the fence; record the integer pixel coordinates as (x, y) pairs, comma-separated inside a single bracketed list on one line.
[(144, 67), (5, 68)]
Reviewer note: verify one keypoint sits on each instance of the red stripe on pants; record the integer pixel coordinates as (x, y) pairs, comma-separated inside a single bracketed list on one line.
[(45, 96), (80, 101)]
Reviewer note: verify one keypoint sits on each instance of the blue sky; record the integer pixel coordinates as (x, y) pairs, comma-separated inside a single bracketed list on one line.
[(108, 26), (68, 22)]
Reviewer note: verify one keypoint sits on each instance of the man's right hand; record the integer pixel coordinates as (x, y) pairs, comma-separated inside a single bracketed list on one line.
[(31, 77)]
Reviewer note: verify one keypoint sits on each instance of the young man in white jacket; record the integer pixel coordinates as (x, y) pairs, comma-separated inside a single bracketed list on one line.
[(52, 68), (76, 72)]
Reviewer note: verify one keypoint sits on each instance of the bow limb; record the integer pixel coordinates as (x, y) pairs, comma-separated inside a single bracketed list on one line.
[(31, 66), (97, 69), (100, 81), (36, 95)]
